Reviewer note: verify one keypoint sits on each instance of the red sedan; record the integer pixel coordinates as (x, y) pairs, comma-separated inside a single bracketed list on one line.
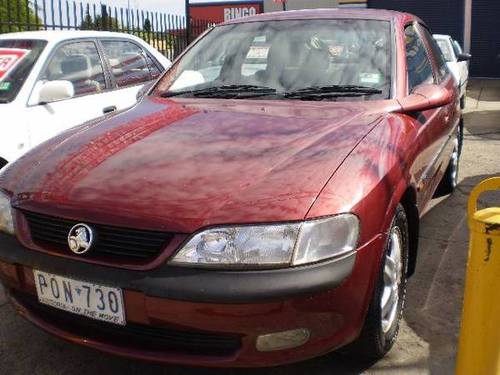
[(259, 206)]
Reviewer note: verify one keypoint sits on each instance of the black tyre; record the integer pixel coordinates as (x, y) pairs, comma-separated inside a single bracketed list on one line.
[(460, 136), (463, 102), (381, 326)]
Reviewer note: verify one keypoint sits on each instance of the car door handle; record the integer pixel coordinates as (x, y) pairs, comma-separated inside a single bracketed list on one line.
[(109, 109)]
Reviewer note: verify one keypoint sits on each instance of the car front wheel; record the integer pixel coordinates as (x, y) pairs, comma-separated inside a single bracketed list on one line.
[(381, 326)]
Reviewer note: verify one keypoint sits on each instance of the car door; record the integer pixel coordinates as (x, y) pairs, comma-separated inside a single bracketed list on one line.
[(80, 63), (432, 125), (131, 67), (449, 128)]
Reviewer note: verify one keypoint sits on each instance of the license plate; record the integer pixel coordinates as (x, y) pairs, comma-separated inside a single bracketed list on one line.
[(79, 297)]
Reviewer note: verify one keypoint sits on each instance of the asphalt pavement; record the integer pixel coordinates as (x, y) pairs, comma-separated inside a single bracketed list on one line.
[(428, 339)]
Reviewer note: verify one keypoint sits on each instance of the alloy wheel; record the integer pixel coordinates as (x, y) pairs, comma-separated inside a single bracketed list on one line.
[(454, 165), (393, 269)]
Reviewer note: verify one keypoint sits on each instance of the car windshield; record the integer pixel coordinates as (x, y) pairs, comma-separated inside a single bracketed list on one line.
[(445, 47), (341, 59), (17, 58), (457, 48)]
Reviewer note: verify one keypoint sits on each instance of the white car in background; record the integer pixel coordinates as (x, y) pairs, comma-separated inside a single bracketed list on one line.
[(53, 80), (457, 61)]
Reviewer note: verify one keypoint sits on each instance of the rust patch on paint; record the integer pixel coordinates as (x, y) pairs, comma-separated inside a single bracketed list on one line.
[(489, 247)]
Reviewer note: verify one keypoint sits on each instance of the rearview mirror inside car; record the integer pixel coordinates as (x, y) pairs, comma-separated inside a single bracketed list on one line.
[(426, 97), (464, 57), (52, 91)]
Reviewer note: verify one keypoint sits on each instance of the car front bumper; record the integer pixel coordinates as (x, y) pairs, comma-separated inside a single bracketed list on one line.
[(205, 317)]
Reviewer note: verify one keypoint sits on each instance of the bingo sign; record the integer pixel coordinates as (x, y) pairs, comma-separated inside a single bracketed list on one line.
[(9, 58), (218, 12)]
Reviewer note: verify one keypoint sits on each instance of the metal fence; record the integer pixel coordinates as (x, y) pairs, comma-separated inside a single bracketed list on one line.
[(167, 33)]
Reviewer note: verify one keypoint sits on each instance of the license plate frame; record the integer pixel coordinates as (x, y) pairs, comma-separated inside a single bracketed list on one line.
[(88, 299)]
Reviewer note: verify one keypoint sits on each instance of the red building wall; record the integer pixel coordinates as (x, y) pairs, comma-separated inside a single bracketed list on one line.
[(221, 12)]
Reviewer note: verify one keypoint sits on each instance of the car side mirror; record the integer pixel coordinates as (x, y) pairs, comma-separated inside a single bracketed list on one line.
[(464, 57), (52, 91), (144, 90), (426, 97)]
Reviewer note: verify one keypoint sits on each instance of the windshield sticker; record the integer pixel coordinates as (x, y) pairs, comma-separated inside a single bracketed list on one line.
[(336, 50), (9, 58), (258, 52), (5, 86), (370, 78)]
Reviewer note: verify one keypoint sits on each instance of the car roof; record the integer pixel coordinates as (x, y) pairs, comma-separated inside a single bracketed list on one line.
[(61, 35), (330, 13)]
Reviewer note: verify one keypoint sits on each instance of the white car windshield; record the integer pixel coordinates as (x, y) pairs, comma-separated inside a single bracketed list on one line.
[(445, 47), (17, 58), (342, 59)]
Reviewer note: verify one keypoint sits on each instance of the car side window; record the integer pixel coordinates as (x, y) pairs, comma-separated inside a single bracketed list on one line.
[(418, 64), (437, 53), (80, 64), (127, 61)]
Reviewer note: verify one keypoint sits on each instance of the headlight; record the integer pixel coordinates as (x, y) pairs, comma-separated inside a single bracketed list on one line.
[(326, 238), (274, 245), (6, 222)]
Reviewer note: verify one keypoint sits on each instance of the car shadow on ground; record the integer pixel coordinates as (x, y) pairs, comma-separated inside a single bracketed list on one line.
[(435, 292), (483, 124), (484, 90)]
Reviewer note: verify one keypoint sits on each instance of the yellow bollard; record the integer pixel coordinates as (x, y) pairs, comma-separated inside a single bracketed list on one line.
[(479, 347)]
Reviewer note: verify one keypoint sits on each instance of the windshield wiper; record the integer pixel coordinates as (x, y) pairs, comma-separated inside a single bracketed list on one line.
[(224, 91), (250, 91), (332, 91)]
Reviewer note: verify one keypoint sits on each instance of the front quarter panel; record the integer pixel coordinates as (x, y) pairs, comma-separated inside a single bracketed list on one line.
[(14, 136), (373, 178), (370, 183)]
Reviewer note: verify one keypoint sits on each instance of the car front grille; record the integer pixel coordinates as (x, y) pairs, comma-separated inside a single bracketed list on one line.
[(134, 336), (51, 233)]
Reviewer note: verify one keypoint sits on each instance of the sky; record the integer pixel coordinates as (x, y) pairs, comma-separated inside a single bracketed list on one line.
[(165, 6)]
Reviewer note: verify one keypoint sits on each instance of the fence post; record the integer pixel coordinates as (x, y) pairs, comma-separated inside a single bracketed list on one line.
[(188, 22), (479, 347)]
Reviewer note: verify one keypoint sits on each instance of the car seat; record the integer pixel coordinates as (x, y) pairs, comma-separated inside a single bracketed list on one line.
[(78, 70)]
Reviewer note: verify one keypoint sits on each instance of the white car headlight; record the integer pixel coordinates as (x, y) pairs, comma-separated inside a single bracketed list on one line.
[(6, 221), (273, 245)]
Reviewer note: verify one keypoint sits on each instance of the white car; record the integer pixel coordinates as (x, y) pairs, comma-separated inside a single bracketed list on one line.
[(53, 80), (457, 61)]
